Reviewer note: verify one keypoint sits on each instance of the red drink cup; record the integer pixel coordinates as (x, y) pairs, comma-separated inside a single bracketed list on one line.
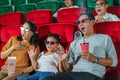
[(85, 47)]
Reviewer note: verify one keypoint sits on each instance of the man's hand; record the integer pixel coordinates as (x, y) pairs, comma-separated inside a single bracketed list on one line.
[(88, 56)]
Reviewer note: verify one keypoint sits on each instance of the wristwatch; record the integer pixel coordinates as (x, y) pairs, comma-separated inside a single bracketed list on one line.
[(96, 60)]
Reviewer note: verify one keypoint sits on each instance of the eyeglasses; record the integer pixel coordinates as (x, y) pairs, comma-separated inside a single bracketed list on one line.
[(99, 5), (83, 21), (24, 29), (51, 43)]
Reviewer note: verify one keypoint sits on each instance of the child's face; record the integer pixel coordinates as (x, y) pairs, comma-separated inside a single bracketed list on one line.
[(51, 44)]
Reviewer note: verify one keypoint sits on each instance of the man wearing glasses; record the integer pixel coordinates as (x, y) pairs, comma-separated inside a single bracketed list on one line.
[(90, 64), (102, 14)]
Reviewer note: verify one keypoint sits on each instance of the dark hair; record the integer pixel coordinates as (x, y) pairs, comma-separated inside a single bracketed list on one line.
[(103, 0), (34, 38), (90, 16), (56, 36)]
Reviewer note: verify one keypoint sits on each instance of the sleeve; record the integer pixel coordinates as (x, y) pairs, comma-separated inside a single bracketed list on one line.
[(111, 52), (71, 57), (116, 18), (8, 44)]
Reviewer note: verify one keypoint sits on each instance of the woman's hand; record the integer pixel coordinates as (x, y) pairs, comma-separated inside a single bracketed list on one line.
[(62, 54), (18, 46), (31, 52)]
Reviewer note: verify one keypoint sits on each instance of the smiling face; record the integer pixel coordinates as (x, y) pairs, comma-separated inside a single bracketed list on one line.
[(86, 25), (101, 7), (68, 3), (51, 44), (26, 33)]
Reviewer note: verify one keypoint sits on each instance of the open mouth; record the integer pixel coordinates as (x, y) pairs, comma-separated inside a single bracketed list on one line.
[(98, 10), (23, 36), (82, 28)]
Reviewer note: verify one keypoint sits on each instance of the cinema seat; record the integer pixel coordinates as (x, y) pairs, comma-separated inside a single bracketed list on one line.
[(112, 9), (25, 8), (112, 29), (81, 3), (6, 33), (56, 0), (65, 31), (52, 5), (12, 18), (5, 2), (70, 15), (19, 2), (40, 17), (6, 9)]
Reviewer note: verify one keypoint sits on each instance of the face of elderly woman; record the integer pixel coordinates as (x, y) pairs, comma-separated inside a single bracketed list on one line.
[(26, 33), (68, 3)]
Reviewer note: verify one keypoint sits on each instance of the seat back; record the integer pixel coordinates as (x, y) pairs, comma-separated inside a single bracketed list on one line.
[(5, 2), (113, 30), (12, 18), (69, 15), (19, 2), (6, 33), (112, 9), (9, 31), (81, 3), (65, 31), (40, 17), (26, 8), (5, 9), (52, 5), (34, 1)]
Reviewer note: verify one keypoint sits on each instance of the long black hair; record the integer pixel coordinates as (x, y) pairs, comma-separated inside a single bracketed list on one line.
[(34, 39)]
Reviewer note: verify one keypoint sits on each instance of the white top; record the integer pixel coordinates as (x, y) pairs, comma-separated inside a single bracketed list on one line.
[(48, 63), (101, 46), (111, 17), (73, 6)]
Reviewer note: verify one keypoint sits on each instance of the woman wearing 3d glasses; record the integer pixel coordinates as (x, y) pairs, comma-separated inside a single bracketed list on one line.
[(17, 47), (48, 61)]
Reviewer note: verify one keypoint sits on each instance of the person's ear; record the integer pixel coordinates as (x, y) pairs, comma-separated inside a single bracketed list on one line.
[(93, 22), (106, 6)]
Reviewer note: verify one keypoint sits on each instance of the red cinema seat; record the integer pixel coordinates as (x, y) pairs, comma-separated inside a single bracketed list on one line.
[(65, 31), (112, 9), (9, 31), (6, 33), (70, 15), (112, 29), (12, 18), (109, 28), (40, 17)]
